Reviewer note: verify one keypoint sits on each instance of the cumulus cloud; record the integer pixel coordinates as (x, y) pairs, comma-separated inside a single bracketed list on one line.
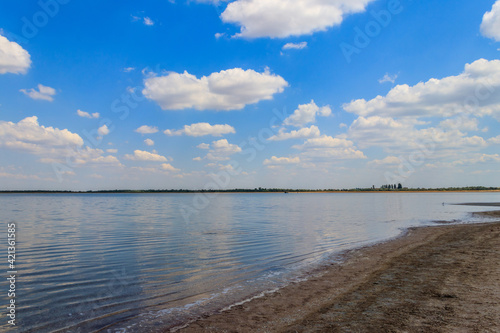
[(44, 93), (495, 140), (471, 159), (490, 27), (471, 92), (55, 145), (402, 135), (325, 141), (303, 133), (164, 168), (284, 18), (29, 135), (169, 167), (148, 21), (295, 46), (140, 155), (144, 129), (20, 176), (149, 142), (389, 160), (479, 158), (202, 129), (460, 123), (330, 148), (13, 58), (219, 150), (203, 146), (306, 113), (388, 78), (282, 160), (230, 89), (88, 155), (103, 130), (144, 19), (84, 114)]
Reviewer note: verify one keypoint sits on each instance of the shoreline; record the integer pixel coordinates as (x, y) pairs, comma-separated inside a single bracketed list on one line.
[(271, 191), (352, 294)]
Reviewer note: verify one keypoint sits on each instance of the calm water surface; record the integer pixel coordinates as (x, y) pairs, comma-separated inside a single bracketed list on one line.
[(133, 263)]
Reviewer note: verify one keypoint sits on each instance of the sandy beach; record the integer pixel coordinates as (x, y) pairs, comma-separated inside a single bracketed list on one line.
[(435, 279)]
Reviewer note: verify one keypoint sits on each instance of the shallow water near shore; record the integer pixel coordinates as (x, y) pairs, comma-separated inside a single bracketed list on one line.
[(135, 262)]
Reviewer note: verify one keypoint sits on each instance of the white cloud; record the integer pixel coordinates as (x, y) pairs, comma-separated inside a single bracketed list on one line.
[(471, 92), (220, 151), (20, 176), (230, 89), (381, 132), (53, 144), (84, 114), (495, 140), (149, 142), (144, 19), (112, 151), (295, 46), (325, 141), (103, 130), (169, 167), (89, 155), (303, 133), (490, 27), (460, 123), (402, 135), (203, 146), (388, 78), (202, 129), (144, 129), (13, 58), (472, 159), (27, 134), (44, 93), (128, 69), (479, 158), (283, 18), (140, 155), (306, 113), (281, 160), (329, 148), (164, 168), (389, 160)]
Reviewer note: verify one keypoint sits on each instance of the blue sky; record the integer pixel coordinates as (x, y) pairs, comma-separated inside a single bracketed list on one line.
[(249, 93)]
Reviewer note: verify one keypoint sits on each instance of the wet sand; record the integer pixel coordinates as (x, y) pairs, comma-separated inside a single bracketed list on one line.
[(434, 279)]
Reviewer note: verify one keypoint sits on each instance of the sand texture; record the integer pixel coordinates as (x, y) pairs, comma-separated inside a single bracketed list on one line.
[(434, 279)]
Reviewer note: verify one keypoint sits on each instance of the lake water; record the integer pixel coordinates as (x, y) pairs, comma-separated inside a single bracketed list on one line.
[(138, 262)]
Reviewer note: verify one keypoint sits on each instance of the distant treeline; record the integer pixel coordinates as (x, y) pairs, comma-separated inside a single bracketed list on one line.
[(278, 190)]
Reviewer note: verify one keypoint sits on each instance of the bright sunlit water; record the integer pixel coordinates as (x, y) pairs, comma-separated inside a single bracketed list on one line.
[(134, 263)]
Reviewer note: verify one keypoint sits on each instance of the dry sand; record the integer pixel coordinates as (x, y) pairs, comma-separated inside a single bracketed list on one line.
[(434, 279)]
